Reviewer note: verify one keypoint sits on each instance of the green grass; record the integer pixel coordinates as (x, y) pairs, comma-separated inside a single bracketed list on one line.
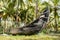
[(33, 37)]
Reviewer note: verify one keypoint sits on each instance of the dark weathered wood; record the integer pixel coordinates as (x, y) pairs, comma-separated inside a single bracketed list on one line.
[(34, 27)]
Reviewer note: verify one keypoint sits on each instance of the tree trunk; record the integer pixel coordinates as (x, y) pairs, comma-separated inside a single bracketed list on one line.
[(36, 8), (55, 16)]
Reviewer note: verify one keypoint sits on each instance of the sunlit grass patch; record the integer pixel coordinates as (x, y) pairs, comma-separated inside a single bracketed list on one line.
[(33, 37)]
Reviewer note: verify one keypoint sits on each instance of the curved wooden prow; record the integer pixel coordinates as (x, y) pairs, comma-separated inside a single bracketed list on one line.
[(33, 27)]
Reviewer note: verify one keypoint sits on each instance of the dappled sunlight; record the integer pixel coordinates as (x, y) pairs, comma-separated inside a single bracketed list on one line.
[(29, 19), (33, 37)]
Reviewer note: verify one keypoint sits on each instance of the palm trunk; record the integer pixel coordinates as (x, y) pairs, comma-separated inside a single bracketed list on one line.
[(55, 16), (17, 13), (36, 8), (56, 26), (0, 18), (0, 21)]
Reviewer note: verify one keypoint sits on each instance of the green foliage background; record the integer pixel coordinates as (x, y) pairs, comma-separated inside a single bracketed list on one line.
[(19, 12)]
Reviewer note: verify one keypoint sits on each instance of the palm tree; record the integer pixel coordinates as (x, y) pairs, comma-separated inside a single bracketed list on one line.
[(8, 8), (17, 7), (54, 8)]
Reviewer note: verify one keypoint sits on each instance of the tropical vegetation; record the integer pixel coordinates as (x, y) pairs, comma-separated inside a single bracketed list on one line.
[(17, 13)]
